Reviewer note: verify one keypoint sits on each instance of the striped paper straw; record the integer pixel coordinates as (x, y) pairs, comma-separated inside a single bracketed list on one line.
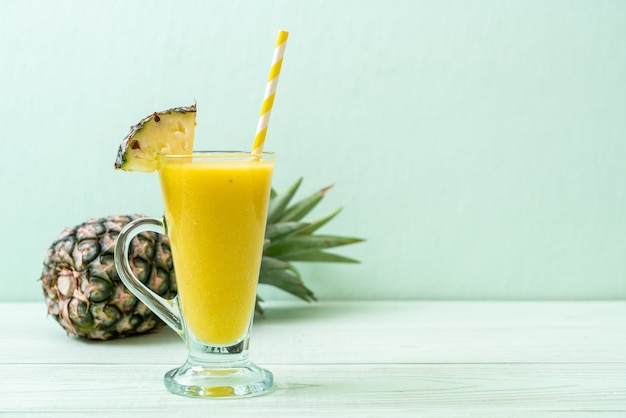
[(270, 91)]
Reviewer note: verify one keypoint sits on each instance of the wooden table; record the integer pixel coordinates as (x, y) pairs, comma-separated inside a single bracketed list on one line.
[(342, 359)]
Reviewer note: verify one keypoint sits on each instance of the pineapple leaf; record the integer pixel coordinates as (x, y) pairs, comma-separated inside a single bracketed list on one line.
[(281, 229), (317, 224), (287, 281), (290, 238), (279, 202), (300, 209), (300, 243), (269, 263), (319, 256)]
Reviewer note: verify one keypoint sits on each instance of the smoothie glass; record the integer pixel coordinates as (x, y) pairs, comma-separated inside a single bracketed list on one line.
[(215, 213)]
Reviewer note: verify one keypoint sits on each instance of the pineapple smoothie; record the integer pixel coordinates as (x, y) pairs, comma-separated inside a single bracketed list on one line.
[(215, 212)]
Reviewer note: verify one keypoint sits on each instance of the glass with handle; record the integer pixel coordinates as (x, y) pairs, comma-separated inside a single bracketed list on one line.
[(215, 210)]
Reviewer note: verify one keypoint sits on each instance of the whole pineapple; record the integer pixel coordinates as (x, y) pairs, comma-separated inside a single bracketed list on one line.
[(81, 286), (85, 295)]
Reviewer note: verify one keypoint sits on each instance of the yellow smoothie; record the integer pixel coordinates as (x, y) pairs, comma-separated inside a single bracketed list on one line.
[(215, 212)]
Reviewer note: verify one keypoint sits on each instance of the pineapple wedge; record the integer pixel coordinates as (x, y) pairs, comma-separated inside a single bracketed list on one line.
[(167, 132)]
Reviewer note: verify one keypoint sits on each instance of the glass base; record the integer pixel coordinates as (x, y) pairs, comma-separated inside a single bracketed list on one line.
[(212, 380)]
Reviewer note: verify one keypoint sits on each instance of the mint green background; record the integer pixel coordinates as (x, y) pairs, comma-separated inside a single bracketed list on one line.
[(479, 146)]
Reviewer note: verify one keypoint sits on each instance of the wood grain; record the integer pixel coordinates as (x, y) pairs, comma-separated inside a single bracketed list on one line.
[(343, 359)]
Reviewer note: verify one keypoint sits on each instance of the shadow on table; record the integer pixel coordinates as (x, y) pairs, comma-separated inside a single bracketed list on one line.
[(163, 337)]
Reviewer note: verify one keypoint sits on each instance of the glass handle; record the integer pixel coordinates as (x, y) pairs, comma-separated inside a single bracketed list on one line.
[(166, 309)]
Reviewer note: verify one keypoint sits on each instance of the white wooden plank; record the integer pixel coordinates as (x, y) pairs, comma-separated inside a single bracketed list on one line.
[(343, 359), (360, 332), (326, 390)]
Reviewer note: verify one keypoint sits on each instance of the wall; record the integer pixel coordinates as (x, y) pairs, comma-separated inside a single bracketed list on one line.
[(478, 146)]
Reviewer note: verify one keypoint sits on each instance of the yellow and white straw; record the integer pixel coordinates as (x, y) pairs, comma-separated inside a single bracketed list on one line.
[(270, 91)]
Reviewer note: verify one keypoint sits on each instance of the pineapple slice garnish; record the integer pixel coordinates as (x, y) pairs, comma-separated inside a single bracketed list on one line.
[(167, 132)]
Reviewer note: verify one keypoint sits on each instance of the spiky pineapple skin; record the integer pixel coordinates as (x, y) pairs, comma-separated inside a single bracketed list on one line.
[(83, 291)]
